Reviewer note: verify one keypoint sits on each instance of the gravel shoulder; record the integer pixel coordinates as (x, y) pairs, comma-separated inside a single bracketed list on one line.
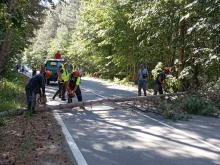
[(36, 139)]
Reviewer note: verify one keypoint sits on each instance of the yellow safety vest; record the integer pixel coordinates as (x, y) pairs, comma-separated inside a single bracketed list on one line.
[(65, 74), (62, 65)]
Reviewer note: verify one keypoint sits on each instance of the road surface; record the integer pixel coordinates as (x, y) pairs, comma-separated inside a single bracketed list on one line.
[(109, 134)]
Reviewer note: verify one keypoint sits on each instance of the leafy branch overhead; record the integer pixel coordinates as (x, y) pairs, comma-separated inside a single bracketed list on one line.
[(111, 38)]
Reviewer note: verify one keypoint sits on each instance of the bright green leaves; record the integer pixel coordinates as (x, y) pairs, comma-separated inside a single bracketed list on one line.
[(109, 37), (18, 20)]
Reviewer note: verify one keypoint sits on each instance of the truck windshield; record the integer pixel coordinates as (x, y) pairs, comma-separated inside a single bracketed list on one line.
[(54, 64)]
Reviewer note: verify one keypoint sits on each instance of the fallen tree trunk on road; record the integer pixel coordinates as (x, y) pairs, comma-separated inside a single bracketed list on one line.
[(109, 100), (92, 102)]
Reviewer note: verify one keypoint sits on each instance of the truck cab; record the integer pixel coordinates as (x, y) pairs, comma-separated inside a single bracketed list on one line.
[(53, 66)]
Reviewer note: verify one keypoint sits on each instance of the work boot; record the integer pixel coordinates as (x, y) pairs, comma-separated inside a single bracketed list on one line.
[(82, 107), (70, 101), (53, 98)]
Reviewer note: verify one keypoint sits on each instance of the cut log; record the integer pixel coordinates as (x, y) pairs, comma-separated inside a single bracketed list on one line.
[(113, 100), (90, 103)]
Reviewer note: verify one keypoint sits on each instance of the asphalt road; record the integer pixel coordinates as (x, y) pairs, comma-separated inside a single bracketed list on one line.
[(112, 135)]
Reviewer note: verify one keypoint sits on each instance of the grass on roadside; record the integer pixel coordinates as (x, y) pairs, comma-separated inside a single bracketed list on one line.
[(12, 92)]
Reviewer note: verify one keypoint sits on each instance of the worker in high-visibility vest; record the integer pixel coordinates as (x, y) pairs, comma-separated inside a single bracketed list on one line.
[(62, 65), (65, 77), (73, 86), (60, 81)]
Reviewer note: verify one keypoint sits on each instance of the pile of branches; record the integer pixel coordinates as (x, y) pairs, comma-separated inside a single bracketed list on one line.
[(212, 95)]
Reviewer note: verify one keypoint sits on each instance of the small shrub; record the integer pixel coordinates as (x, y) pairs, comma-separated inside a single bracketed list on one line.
[(124, 80), (88, 74), (199, 105), (174, 111), (210, 110), (184, 107), (193, 105), (116, 80)]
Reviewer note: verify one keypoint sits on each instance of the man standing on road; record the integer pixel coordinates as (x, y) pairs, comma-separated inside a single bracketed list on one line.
[(64, 76), (161, 81), (34, 71), (142, 80), (60, 84), (36, 85)]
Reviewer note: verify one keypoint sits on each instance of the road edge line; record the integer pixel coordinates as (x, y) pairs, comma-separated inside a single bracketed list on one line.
[(74, 148)]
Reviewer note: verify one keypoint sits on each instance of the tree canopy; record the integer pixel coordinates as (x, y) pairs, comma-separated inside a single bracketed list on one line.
[(111, 38)]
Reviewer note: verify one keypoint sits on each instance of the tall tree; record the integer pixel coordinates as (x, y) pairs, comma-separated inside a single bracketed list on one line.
[(18, 19)]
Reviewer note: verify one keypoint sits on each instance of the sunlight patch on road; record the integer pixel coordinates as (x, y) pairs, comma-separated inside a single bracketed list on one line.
[(99, 147), (97, 108), (119, 87)]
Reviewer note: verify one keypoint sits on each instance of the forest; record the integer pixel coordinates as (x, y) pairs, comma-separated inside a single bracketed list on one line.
[(111, 38)]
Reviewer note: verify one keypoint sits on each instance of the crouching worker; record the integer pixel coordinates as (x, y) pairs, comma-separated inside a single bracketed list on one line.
[(73, 86), (36, 85)]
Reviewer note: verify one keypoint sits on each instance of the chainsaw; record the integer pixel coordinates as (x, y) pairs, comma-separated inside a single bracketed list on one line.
[(41, 99)]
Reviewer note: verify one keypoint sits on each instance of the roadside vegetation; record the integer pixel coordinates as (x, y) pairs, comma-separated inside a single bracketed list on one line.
[(194, 103), (12, 92)]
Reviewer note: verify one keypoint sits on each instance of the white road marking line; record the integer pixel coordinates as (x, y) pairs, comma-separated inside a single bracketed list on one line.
[(94, 93), (186, 134), (75, 150), (195, 138)]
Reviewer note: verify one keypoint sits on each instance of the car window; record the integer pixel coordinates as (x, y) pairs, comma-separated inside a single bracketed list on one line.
[(53, 64)]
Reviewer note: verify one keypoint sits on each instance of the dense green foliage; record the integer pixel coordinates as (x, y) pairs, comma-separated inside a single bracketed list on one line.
[(12, 91), (193, 104), (18, 20), (111, 38)]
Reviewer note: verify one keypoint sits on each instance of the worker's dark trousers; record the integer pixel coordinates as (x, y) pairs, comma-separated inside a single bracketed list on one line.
[(31, 99), (61, 90), (34, 73), (158, 88), (142, 84)]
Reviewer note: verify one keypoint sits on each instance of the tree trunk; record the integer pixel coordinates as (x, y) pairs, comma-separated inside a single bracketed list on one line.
[(181, 51), (2, 55), (93, 102), (134, 72), (5, 44), (90, 103)]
